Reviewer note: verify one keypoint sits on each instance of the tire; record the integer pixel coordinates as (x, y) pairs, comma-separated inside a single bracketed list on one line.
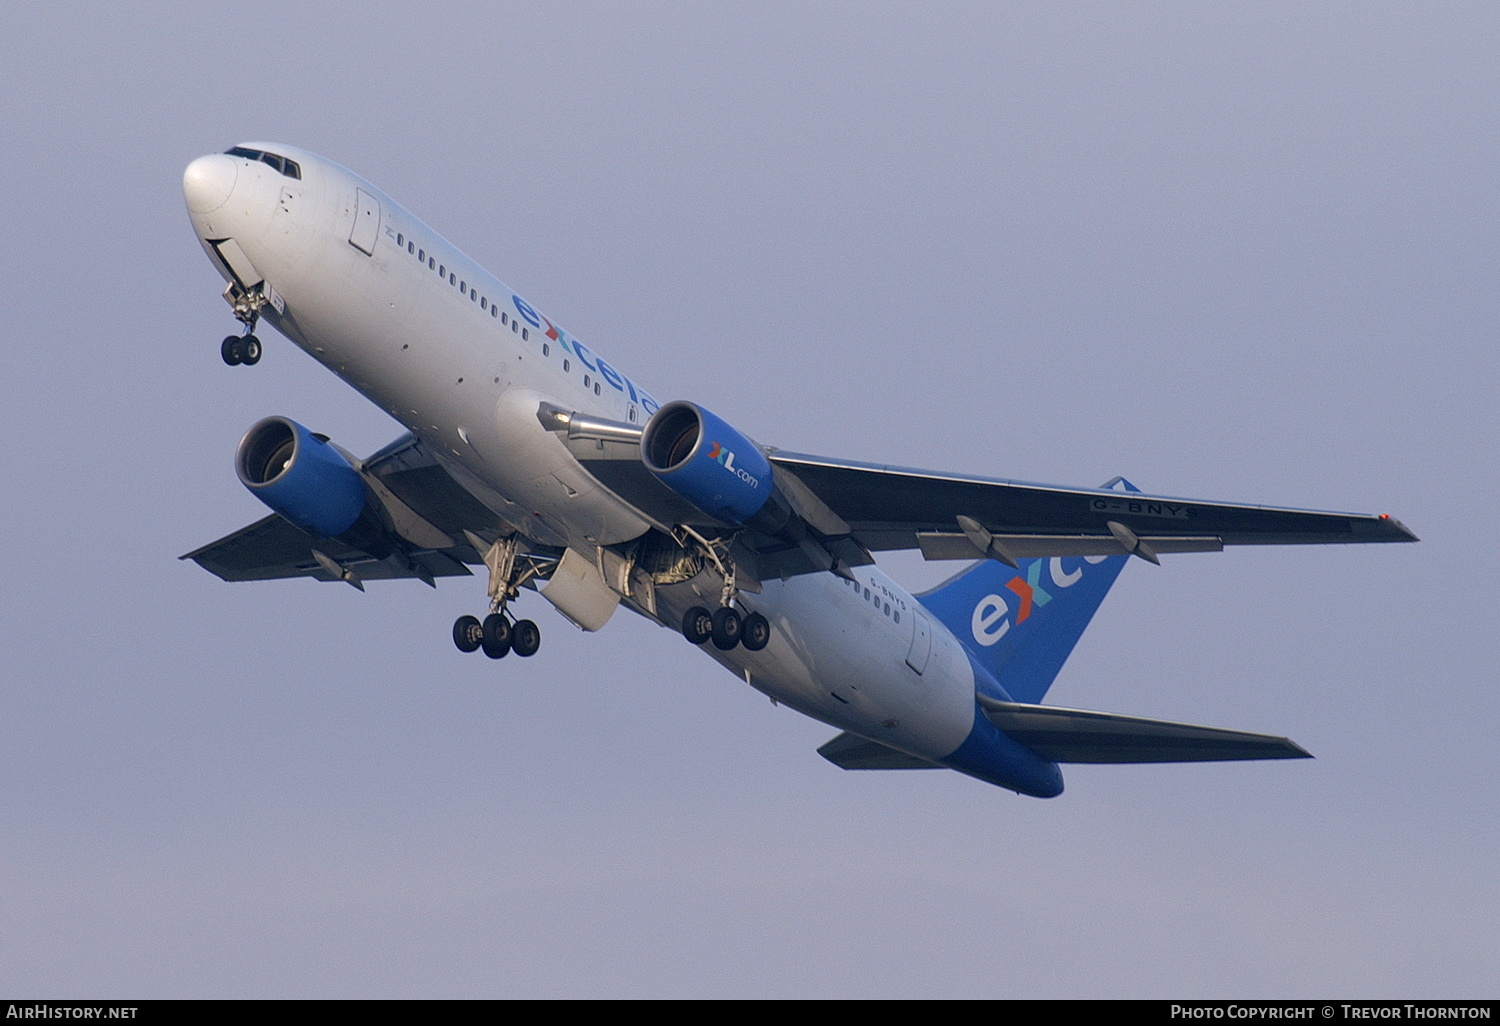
[(755, 634), (727, 628), (697, 625), (495, 638), (525, 638), (229, 350), (467, 634), (250, 350)]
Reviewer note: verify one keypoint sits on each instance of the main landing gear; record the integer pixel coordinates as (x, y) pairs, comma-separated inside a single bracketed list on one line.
[(725, 627), (497, 634)]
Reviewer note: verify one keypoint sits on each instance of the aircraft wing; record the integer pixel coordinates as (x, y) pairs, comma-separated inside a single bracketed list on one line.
[(273, 548), (427, 510), (852, 509), (950, 516)]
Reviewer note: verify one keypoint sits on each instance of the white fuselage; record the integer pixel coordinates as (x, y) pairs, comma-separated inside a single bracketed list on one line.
[(463, 362)]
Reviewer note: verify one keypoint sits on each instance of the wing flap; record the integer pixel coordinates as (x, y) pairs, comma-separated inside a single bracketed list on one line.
[(944, 545), (1081, 735), (425, 488)]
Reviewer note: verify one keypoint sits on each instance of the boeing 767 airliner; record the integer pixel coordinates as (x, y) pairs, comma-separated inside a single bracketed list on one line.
[(529, 453)]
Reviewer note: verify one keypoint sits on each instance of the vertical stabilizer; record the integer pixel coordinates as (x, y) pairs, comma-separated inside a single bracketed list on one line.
[(1021, 624)]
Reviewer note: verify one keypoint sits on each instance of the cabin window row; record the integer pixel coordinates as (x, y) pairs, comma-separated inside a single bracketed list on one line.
[(505, 319), (464, 288), (881, 605)]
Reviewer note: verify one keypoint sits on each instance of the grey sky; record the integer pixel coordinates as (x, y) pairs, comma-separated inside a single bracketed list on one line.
[(1240, 252)]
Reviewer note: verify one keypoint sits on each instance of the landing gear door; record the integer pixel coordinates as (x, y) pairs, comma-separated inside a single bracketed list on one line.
[(366, 222), (921, 643)]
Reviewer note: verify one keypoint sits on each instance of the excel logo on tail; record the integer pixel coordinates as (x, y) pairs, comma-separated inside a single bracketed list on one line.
[(993, 616), (725, 458)]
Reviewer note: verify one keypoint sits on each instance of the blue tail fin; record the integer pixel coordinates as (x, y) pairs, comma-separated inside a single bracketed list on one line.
[(1021, 625)]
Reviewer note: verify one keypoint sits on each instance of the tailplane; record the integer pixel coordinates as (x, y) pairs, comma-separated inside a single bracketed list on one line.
[(1082, 735), (1019, 625)]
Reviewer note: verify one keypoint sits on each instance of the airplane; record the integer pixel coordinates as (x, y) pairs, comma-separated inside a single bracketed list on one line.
[(531, 455)]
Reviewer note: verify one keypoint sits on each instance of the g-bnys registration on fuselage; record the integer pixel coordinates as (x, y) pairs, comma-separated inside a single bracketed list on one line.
[(534, 457)]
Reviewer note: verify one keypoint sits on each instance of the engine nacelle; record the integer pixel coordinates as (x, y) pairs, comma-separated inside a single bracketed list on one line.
[(710, 464), (302, 477)]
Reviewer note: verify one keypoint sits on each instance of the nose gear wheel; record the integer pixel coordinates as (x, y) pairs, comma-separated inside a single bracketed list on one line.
[(247, 305), (237, 349)]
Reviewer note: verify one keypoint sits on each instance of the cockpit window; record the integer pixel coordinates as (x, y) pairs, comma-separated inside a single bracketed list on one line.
[(281, 164)]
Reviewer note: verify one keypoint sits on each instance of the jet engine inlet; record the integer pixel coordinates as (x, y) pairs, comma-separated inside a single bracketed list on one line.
[(670, 437), (302, 477), (707, 462)]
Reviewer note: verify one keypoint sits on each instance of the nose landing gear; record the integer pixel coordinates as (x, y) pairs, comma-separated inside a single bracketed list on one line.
[(247, 305), (237, 349)]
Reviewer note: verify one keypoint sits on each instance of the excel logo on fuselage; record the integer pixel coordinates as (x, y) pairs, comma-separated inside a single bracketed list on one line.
[(992, 615), (725, 458)]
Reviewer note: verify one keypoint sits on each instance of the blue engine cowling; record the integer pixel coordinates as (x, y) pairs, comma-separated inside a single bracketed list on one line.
[(708, 463), (302, 477)]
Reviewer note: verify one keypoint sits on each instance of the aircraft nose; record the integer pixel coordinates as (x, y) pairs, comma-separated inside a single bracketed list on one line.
[(208, 181)]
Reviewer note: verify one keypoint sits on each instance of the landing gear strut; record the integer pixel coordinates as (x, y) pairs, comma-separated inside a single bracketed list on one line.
[(245, 348), (725, 627), (497, 634)]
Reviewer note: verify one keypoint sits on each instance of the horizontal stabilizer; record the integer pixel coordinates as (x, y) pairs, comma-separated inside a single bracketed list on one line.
[(852, 752), (1079, 735)]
